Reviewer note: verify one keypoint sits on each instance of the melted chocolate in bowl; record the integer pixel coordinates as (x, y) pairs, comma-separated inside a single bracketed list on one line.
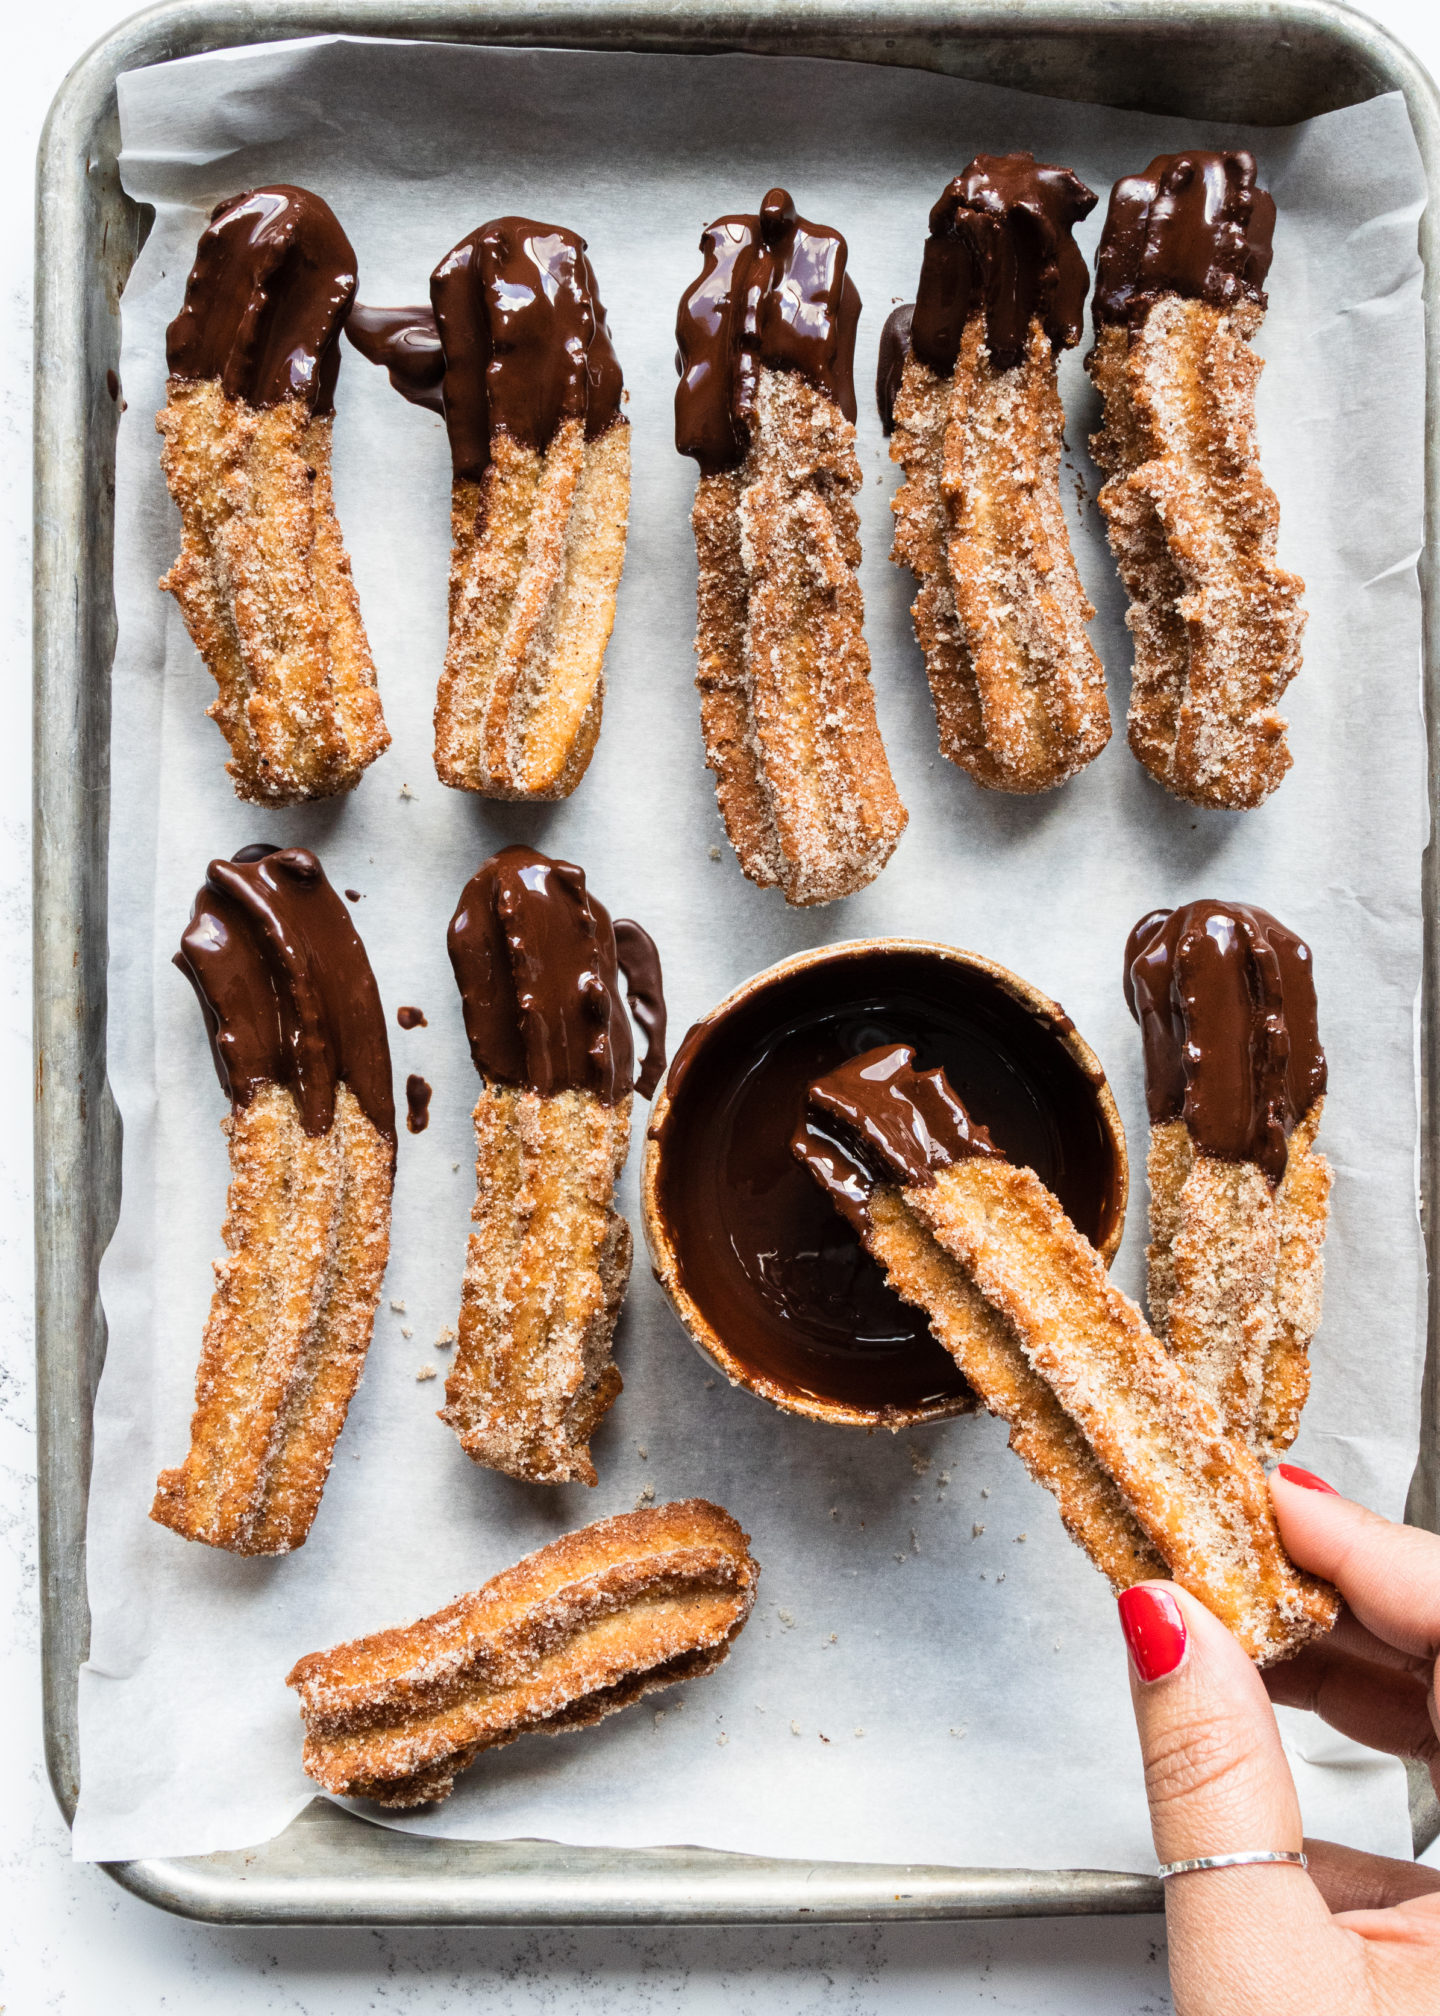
[(769, 1263)]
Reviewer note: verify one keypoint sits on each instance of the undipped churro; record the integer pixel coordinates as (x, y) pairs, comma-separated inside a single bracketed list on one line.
[(967, 382), (1216, 623), (1235, 1082), (515, 351), (1137, 1456), (263, 580), (538, 965), (766, 405), (299, 1041), (571, 1634)]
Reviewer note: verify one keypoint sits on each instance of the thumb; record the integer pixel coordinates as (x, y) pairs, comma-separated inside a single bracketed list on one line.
[(1218, 1783)]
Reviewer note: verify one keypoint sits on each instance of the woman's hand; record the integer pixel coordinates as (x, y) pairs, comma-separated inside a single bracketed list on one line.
[(1359, 1935)]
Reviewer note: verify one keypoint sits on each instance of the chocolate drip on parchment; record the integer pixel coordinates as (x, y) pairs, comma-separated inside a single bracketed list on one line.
[(538, 963), (1225, 998), (514, 341), (1195, 224), (273, 281), (417, 1103), (773, 294), (285, 986)]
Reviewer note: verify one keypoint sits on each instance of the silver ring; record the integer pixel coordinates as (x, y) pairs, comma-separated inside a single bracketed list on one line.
[(1246, 1855)]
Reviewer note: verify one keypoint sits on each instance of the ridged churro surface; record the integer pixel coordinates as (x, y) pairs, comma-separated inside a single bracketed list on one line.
[(264, 585), (1000, 615), (1197, 1494), (540, 968), (1216, 622), (765, 348), (787, 709), (1136, 1455), (307, 1235), (545, 1274), (514, 350), (569, 1635), (1237, 1275), (537, 547), (987, 1350), (1235, 1081), (975, 410)]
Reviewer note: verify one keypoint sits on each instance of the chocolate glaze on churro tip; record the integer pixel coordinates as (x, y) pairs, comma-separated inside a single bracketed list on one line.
[(538, 964), (515, 340), (774, 293), (1225, 998), (286, 988), (1000, 245), (878, 1120), (273, 281), (1195, 224)]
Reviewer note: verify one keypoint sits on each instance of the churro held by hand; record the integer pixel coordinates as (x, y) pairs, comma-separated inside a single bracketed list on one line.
[(538, 963), (967, 381), (1145, 1476), (263, 580), (515, 351), (564, 1638), (299, 1041), (766, 405), (1179, 299), (1235, 1083)]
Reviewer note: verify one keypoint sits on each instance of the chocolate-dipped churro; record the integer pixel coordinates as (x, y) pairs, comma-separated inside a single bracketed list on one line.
[(538, 963), (967, 382), (1137, 1456), (1179, 299), (564, 1638), (1235, 1083), (262, 579), (298, 1036), (515, 351), (766, 406)]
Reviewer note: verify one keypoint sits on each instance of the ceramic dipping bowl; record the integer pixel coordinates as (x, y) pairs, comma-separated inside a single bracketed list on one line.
[(769, 1281)]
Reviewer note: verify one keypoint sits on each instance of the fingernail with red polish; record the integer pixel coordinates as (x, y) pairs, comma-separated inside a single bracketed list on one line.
[(1308, 1481), (1154, 1631)]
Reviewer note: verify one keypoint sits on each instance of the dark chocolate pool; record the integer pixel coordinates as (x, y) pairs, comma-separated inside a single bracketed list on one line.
[(768, 1264)]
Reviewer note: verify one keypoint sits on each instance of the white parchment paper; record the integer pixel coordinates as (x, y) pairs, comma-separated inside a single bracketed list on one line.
[(933, 1673)]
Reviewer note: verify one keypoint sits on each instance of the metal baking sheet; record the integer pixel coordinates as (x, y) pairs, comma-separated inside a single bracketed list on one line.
[(1280, 64)]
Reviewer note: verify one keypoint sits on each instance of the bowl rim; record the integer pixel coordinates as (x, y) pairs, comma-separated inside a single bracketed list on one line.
[(664, 1257)]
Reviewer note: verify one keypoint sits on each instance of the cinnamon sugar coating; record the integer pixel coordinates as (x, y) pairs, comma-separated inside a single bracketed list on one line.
[(568, 1636), (786, 705), (1216, 623), (538, 544), (545, 1275), (1137, 1456), (307, 1236), (263, 582), (1237, 1275), (1000, 615)]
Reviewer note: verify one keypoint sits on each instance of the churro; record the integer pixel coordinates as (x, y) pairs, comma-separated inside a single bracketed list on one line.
[(298, 1037), (1235, 1083), (263, 580), (766, 406), (1216, 623), (515, 351), (967, 382), (538, 963), (1146, 1478), (566, 1637)]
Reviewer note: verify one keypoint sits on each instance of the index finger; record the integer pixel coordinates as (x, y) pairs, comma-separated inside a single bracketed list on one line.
[(1389, 1575)]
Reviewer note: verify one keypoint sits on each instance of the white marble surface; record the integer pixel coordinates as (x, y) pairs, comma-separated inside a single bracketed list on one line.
[(69, 1939)]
